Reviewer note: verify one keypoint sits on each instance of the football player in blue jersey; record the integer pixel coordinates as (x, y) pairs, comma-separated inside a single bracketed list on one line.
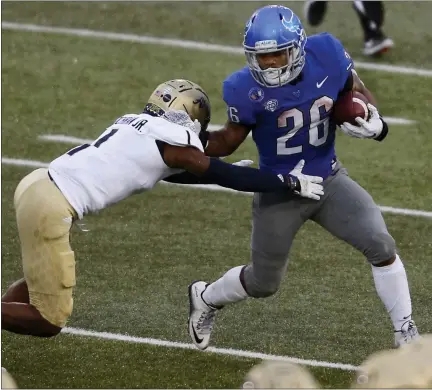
[(285, 96)]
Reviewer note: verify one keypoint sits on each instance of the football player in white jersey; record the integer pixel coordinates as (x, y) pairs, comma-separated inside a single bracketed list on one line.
[(129, 157)]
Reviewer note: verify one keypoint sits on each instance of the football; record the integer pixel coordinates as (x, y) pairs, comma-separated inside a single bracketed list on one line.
[(350, 106)]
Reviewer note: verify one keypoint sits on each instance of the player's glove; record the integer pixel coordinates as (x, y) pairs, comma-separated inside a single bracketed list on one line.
[(373, 128), (305, 185)]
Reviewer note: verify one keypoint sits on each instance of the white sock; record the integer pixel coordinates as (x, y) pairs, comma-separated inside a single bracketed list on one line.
[(392, 287), (227, 289)]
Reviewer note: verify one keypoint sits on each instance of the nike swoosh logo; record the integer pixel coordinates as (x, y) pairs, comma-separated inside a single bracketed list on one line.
[(197, 339), (195, 336), (405, 318), (319, 85)]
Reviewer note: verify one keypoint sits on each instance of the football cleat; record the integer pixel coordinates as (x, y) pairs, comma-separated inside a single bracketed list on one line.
[(407, 334), (201, 316), (377, 46)]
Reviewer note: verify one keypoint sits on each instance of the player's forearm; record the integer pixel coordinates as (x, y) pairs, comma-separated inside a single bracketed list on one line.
[(369, 96), (358, 85), (217, 144), (243, 178), (184, 178)]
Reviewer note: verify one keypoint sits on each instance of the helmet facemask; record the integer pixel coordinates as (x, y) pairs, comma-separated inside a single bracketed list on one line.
[(276, 77)]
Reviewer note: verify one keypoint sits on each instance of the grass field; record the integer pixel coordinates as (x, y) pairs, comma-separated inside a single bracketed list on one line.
[(135, 264)]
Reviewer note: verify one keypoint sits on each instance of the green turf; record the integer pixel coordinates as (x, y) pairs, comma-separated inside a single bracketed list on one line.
[(139, 256), (223, 22)]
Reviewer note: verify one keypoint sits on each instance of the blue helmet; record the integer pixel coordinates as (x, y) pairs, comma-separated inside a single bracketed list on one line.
[(273, 28)]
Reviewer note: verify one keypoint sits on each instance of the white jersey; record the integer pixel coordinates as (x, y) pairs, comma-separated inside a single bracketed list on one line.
[(124, 160)]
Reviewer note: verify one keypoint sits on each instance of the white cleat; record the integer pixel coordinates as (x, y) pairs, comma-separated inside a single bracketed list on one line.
[(377, 46), (407, 335), (201, 316)]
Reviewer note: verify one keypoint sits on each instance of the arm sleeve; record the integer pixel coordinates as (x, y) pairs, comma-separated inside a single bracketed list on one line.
[(185, 178), (243, 178)]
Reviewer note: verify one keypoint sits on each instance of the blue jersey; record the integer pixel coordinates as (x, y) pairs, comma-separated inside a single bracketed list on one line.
[(293, 122)]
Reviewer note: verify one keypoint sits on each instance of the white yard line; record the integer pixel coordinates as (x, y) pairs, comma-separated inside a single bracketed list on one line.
[(220, 351), (65, 139), (208, 187), (203, 46), (24, 163)]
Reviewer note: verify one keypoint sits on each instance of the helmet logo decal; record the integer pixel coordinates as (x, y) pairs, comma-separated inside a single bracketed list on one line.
[(295, 28)]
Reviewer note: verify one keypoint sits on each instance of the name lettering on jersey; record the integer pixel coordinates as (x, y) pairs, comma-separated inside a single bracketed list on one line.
[(139, 124), (135, 122), (125, 120)]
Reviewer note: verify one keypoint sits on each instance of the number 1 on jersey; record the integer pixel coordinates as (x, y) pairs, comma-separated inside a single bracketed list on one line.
[(105, 138), (97, 143)]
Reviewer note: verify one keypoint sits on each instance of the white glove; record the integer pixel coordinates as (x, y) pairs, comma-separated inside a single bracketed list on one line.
[(243, 163), (309, 187), (181, 118), (366, 129)]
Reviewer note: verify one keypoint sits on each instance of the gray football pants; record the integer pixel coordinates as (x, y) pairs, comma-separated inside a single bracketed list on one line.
[(346, 210)]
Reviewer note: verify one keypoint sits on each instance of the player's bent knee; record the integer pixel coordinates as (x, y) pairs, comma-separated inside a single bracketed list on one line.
[(258, 288), (382, 248), (263, 291), (263, 276)]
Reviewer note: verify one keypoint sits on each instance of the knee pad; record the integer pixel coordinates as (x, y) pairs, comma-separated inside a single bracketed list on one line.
[(381, 248)]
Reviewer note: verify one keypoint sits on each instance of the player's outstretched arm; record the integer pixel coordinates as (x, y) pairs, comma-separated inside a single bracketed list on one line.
[(239, 178), (225, 141), (189, 178)]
